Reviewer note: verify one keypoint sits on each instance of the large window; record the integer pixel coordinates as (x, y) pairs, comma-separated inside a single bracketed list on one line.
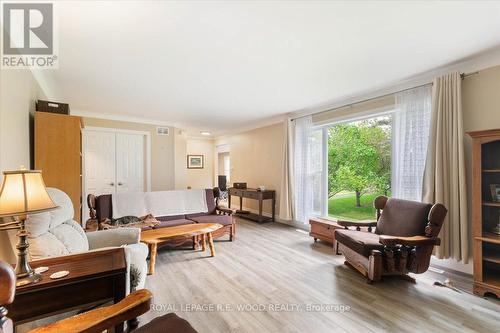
[(359, 166)]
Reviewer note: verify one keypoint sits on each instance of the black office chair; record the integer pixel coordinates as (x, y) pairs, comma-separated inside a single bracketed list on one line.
[(222, 185)]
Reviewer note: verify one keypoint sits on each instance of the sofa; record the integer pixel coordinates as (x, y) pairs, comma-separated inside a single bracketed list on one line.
[(101, 208), (55, 233)]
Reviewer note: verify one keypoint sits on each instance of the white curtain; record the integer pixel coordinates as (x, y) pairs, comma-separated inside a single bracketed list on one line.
[(308, 164), (411, 123)]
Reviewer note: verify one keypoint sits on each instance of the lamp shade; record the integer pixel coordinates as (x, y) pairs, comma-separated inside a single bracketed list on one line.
[(24, 192)]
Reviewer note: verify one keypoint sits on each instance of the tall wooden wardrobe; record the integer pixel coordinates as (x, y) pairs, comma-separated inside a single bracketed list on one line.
[(58, 150)]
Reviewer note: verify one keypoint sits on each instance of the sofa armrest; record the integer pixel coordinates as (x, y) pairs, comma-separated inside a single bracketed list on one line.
[(113, 237), (357, 223), (408, 241), (224, 210)]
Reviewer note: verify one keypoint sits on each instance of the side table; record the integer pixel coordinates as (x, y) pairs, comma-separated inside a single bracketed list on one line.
[(94, 278)]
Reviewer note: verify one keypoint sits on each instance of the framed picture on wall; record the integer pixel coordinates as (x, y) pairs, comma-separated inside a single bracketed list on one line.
[(195, 162)]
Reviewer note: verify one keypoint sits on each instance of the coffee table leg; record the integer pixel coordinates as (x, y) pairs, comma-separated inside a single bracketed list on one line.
[(203, 242), (211, 244), (194, 243), (153, 247)]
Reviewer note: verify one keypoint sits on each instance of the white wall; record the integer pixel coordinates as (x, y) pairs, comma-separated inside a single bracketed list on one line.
[(180, 146), (200, 178), (257, 159), (18, 93)]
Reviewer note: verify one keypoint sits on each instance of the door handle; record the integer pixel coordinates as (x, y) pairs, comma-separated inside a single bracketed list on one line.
[(120, 184), (111, 184)]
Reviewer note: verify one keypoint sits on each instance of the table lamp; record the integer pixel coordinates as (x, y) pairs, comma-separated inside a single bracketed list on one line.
[(23, 192)]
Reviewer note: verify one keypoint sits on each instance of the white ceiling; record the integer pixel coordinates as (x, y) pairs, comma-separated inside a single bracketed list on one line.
[(226, 65)]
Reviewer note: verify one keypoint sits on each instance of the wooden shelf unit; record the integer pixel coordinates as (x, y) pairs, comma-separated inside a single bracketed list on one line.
[(494, 259), (489, 237), (485, 211), (491, 203)]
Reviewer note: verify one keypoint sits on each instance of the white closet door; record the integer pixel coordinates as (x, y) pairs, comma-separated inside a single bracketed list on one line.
[(129, 162), (99, 164)]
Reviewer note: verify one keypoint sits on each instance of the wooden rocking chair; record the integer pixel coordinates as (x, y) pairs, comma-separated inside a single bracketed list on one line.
[(405, 235)]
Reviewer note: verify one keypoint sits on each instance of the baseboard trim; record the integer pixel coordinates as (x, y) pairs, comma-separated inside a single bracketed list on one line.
[(451, 271)]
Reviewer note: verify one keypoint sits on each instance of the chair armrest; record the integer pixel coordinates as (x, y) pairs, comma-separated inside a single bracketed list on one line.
[(357, 223), (409, 241), (224, 210), (113, 237), (98, 320)]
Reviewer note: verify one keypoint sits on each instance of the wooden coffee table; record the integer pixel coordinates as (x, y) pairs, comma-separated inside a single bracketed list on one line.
[(155, 237)]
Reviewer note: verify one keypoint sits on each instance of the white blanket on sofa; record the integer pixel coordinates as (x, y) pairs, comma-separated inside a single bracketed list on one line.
[(159, 203)]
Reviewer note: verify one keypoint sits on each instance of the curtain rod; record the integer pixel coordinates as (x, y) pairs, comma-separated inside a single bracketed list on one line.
[(462, 76)]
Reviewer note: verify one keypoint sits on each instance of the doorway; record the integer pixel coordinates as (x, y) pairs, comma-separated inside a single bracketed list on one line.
[(223, 170), (225, 165)]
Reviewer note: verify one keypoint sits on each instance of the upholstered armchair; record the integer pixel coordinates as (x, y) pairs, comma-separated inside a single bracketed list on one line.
[(403, 240), (55, 233)]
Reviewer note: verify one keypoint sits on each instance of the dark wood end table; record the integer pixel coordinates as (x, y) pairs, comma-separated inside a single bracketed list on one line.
[(254, 194), (94, 278)]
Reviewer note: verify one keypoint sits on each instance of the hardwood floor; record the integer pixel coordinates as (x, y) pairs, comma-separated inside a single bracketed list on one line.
[(275, 264)]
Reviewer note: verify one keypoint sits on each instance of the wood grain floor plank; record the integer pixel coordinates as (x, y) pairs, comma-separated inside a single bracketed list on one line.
[(273, 264)]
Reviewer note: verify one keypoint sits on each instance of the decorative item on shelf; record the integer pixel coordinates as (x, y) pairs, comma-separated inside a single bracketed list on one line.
[(496, 229), (240, 186), (23, 192), (42, 269), (495, 192), (261, 188), (195, 161), (59, 275)]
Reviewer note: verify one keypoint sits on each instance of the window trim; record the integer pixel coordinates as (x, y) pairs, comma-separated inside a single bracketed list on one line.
[(373, 113)]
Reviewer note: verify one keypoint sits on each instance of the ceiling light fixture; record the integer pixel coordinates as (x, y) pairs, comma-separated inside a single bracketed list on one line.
[(206, 133)]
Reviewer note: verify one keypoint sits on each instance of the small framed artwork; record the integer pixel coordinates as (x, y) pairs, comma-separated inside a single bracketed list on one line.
[(495, 192), (195, 162)]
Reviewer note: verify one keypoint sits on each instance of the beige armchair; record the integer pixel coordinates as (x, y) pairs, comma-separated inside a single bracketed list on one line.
[(55, 233)]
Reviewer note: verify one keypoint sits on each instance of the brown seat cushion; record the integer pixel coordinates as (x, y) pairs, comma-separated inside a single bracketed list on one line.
[(166, 324), (221, 219), (360, 241), (171, 218), (403, 218), (172, 223)]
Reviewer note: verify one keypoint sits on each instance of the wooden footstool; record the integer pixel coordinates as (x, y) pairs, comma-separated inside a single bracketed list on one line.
[(155, 237)]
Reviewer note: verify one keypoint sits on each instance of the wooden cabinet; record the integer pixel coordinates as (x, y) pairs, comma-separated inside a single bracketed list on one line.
[(58, 154), (323, 229), (486, 211)]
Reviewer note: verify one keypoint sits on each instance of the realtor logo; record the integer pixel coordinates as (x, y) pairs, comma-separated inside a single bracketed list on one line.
[(28, 35)]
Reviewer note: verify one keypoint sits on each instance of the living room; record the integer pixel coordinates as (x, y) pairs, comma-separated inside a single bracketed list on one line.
[(244, 166)]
